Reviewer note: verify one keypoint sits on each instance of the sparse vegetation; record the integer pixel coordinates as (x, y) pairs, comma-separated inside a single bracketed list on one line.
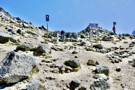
[(35, 70), (83, 36)]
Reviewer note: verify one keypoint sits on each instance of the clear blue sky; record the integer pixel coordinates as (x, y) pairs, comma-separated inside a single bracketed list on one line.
[(75, 15)]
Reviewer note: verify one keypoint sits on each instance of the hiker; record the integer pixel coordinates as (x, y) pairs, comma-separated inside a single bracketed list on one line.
[(114, 30)]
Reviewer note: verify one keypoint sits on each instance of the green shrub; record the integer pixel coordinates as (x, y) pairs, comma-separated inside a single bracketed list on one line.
[(35, 69), (83, 36)]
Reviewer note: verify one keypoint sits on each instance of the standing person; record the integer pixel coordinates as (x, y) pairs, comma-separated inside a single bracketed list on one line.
[(114, 30)]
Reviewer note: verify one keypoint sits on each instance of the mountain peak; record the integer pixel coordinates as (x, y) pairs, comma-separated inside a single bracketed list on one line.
[(3, 12)]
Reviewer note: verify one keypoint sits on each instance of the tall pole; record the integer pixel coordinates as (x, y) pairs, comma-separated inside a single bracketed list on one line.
[(47, 31), (47, 20)]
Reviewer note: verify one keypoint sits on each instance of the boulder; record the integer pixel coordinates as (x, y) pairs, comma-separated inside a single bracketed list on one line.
[(24, 47), (133, 64), (118, 69), (102, 70), (30, 32), (74, 84), (125, 42), (16, 67), (58, 48), (31, 85), (107, 38), (12, 31), (98, 46), (42, 49), (4, 37), (74, 52), (42, 27), (25, 25), (83, 43), (100, 84), (83, 88), (92, 63), (19, 31), (73, 63), (74, 35), (100, 76)]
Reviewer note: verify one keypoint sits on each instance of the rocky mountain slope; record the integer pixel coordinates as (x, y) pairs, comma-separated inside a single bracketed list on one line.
[(89, 60)]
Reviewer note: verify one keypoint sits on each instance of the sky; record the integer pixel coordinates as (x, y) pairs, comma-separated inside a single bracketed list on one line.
[(75, 15)]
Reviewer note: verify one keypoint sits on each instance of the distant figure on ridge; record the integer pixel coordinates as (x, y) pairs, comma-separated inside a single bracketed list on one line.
[(114, 30)]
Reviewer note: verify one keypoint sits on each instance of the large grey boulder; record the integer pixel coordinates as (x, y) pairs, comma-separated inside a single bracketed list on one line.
[(4, 37), (42, 49), (16, 67)]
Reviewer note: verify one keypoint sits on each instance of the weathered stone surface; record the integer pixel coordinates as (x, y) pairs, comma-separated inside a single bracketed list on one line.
[(107, 38), (4, 37), (102, 70), (58, 48), (73, 63), (100, 84), (99, 46), (30, 32), (25, 25), (15, 67), (24, 47), (31, 85), (74, 84), (118, 69), (83, 88), (19, 31), (74, 52), (100, 76), (92, 63), (41, 49)]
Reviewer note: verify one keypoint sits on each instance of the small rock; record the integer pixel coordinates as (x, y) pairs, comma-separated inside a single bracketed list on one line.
[(100, 84), (74, 84), (107, 38), (83, 88), (125, 42), (100, 76), (92, 63), (31, 85), (118, 69), (47, 61), (98, 46), (41, 49), (48, 57), (56, 70), (74, 52), (76, 56), (73, 63), (24, 47), (102, 69)]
